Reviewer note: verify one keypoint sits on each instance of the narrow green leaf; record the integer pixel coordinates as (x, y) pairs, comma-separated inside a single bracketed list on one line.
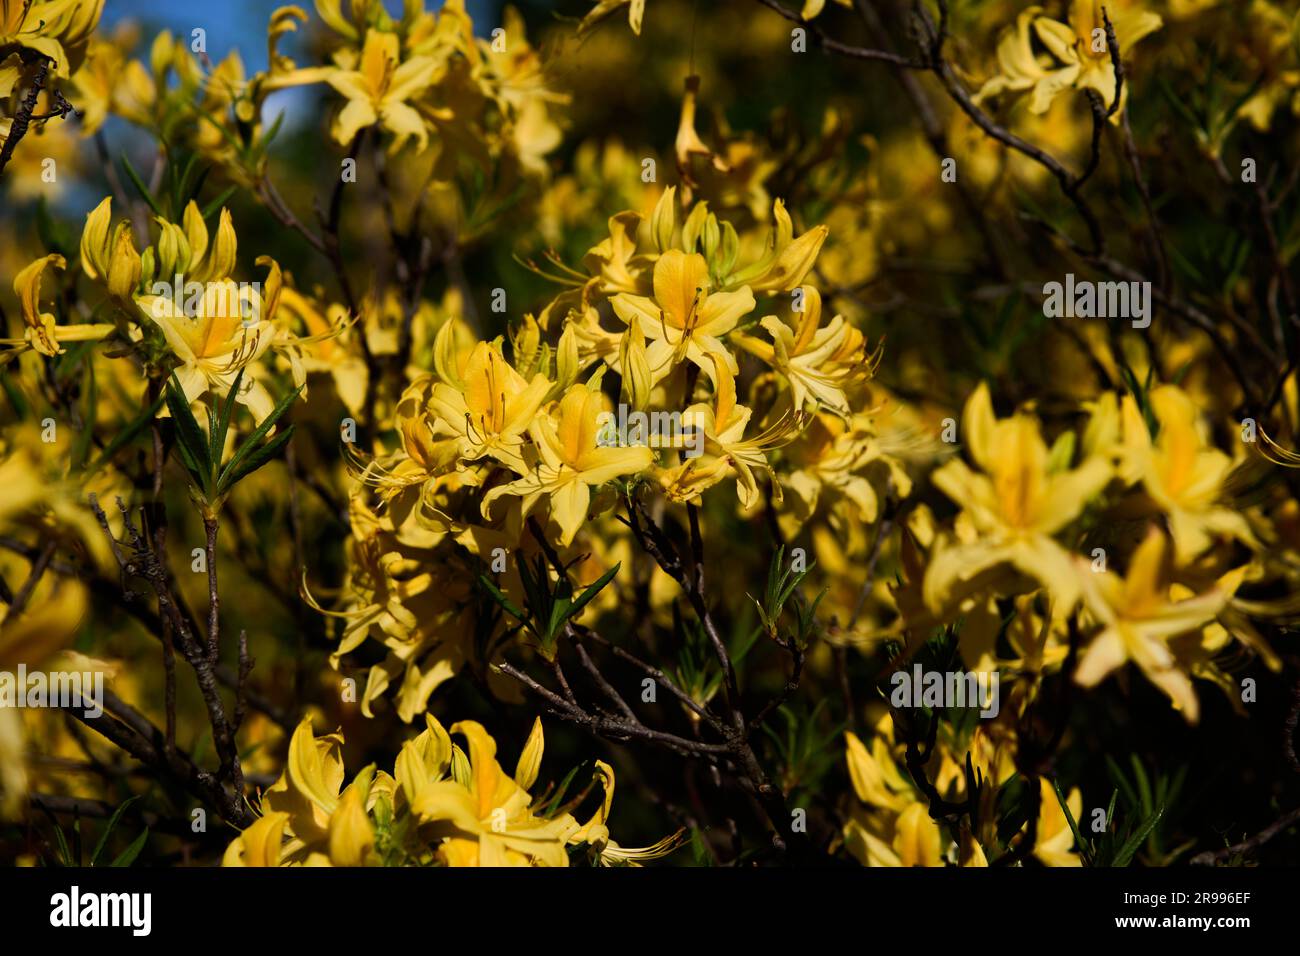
[(256, 437), (65, 852), (254, 461), (593, 589), (211, 208), (108, 828), (141, 188), (188, 433), (217, 436), (127, 856), (495, 593), (1074, 826), (1130, 847)]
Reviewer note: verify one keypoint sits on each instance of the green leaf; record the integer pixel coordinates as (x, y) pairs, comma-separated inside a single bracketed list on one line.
[(553, 804), (1084, 849), (141, 187), (1130, 847), (258, 434), (108, 829), (65, 853), (190, 438), (211, 208), (253, 461), (495, 593), (221, 425), (592, 590), (127, 856)]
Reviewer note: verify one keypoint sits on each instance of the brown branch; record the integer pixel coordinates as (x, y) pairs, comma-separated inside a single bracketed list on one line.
[(39, 565), (26, 114), (210, 529), (1210, 857), (845, 49)]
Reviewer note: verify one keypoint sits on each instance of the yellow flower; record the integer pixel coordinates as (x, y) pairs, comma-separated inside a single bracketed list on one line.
[(486, 820), (110, 254), (217, 333), (818, 363), (490, 406), (726, 451), (1077, 54), (260, 844), (59, 29), (572, 461), (788, 260), (41, 333), (1138, 619), (595, 832), (635, 11), (684, 319), (892, 825), (1011, 508), (1182, 473), (813, 8), (378, 92), (323, 348), (306, 820)]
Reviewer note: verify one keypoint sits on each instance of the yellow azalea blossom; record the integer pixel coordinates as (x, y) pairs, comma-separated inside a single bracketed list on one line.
[(787, 261), (308, 817), (684, 320), (813, 8), (260, 844), (1138, 619), (58, 29), (379, 91), (572, 461), (890, 825), (323, 348), (726, 451), (604, 8), (231, 328), (818, 363), (595, 832), (1181, 471), (300, 805), (1013, 506), (1077, 54), (614, 259), (487, 821), (490, 406), (842, 466), (110, 255), (42, 334)]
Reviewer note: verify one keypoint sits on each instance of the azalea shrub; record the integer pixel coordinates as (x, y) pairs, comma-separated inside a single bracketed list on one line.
[(859, 433)]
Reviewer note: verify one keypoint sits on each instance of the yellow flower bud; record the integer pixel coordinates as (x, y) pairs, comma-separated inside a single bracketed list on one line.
[(94, 240), (124, 266)]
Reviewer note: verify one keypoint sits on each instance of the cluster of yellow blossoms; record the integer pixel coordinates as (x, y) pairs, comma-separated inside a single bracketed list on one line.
[(700, 346), (441, 806)]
